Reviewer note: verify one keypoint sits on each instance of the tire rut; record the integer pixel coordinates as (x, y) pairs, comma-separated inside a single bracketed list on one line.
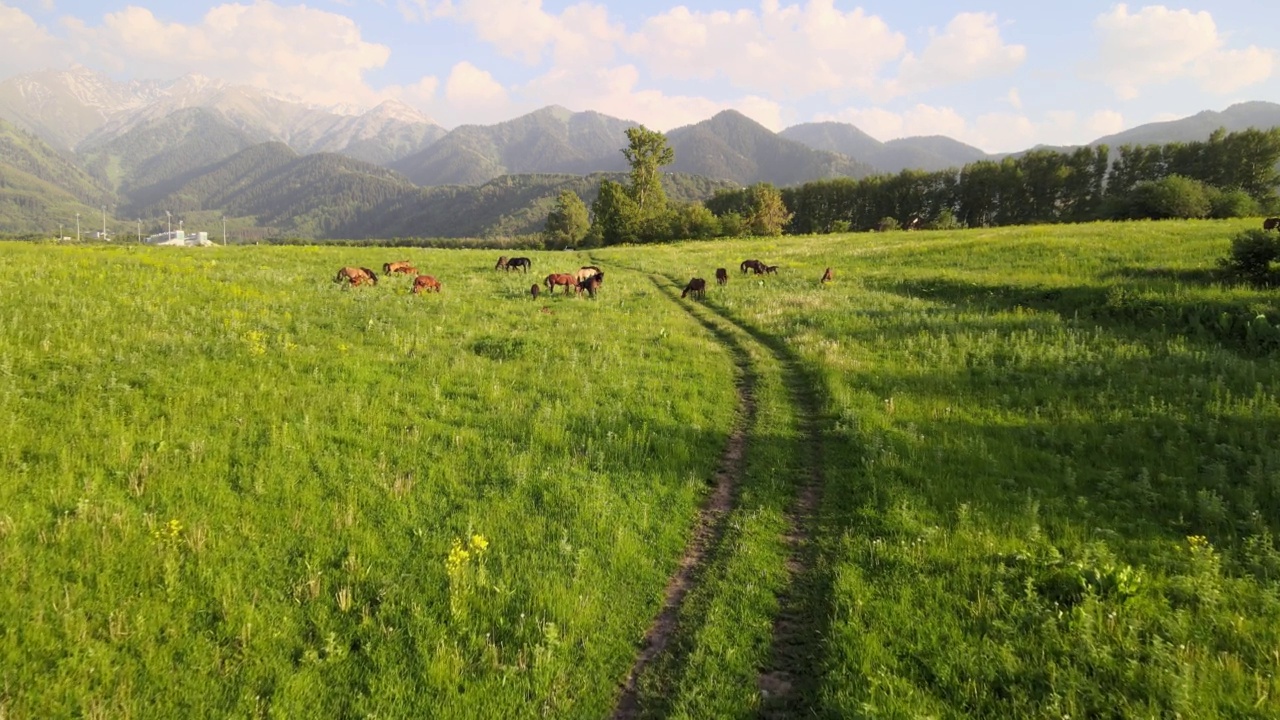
[(708, 528)]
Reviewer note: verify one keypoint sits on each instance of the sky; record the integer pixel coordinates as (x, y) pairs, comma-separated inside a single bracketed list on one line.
[(1000, 75)]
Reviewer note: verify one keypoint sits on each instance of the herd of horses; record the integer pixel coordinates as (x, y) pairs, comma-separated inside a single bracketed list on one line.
[(697, 287), (587, 279)]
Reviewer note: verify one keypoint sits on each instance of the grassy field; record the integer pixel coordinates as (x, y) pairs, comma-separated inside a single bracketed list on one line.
[(1047, 457)]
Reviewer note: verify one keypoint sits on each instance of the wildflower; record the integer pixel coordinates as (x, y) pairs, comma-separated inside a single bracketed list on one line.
[(479, 543), (458, 557)]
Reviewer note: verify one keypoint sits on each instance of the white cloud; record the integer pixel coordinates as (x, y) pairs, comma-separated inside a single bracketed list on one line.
[(1014, 98), (472, 95), (521, 29), (993, 132), (27, 45), (782, 51), (968, 49), (1157, 45), (284, 49)]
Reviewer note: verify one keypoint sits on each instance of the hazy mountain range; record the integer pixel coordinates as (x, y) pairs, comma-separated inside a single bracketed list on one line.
[(75, 140)]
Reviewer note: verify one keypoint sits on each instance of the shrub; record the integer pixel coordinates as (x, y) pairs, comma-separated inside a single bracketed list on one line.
[(946, 220), (888, 223), (1232, 204), (1174, 196), (1252, 253), (841, 226)]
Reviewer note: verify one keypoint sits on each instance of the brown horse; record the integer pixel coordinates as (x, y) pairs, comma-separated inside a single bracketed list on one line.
[(752, 264), (828, 276), (771, 269), (404, 266), (722, 276), (425, 283), (356, 276), (591, 285), (565, 279), (523, 263), (1271, 224), (697, 286), (502, 263), (533, 290)]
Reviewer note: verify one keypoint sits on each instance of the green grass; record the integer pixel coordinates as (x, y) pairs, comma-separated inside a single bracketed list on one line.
[(1050, 464)]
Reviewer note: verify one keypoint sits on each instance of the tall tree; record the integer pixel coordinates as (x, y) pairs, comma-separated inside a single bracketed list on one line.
[(647, 151), (766, 213), (615, 215), (568, 221)]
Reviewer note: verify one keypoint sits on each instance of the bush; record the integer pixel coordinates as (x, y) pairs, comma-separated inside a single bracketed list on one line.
[(1174, 196), (1232, 204), (732, 225), (841, 226), (1252, 253), (946, 220), (888, 223)]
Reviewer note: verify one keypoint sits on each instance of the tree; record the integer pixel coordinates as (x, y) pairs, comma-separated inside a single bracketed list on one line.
[(766, 213), (568, 222), (647, 151), (616, 217)]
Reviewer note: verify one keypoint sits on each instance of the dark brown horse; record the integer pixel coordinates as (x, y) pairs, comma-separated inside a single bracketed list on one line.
[(523, 263), (828, 276), (568, 281), (771, 269), (404, 266), (696, 286), (356, 276), (722, 276), (588, 271), (1271, 224), (425, 283), (591, 285), (752, 264), (533, 290)]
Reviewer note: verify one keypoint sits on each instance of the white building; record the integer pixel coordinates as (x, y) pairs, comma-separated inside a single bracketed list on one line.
[(179, 238)]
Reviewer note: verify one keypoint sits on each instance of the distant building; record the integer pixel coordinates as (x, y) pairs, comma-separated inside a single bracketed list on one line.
[(179, 238)]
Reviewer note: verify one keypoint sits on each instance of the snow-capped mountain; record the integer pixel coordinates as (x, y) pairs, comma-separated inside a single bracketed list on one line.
[(79, 109)]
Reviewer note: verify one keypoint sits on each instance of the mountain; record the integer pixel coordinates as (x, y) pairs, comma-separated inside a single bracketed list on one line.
[(158, 153), (1241, 116), (550, 140), (731, 146), (80, 108), (40, 187), (928, 153)]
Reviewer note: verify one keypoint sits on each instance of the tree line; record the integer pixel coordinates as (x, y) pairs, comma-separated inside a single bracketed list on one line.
[(1229, 175)]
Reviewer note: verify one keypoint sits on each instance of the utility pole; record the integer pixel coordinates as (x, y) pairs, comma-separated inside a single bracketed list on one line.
[(224, 231), (59, 232), (169, 215), (104, 222), (139, 231), (77, 227)]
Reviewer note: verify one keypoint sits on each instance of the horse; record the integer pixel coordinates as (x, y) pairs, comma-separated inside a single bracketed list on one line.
[(591, 285), (1271, 224), (754, 265), (697, 286), (502, 263), (565, 279), (828, 276), (523, 263), (771, 269), (403, 266), (589, 271), (425, 283), (356, 276), (533, 290), (722, 276)]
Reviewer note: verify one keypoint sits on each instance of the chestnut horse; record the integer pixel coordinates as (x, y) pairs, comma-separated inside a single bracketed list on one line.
[(565, 279), (502, 263), (404, 266), (425, 283), (754, 265), (1271, 224), (828, 276), (356, 276), (697, 286), (523, 263), (722, 276)]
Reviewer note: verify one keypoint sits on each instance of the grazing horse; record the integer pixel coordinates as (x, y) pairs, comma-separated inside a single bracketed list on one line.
[(771, 269), (502, 263), (697, 286), (1271, 224), (523, 263), (589, 271), (356, 276), (425, 283), (533, 290), (565, 279), (722, 276), (754, 265), (591, 285), (404, 266), (914, 224), (828, 276)]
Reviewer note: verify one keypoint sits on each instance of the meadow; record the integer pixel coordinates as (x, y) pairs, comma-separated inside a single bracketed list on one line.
[(1045, 464)]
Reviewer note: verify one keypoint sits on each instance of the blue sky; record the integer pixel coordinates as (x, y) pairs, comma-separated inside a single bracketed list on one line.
[(1000, 75)]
